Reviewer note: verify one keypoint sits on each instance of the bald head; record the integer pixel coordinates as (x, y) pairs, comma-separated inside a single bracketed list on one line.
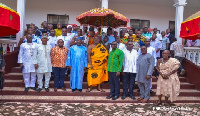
[(166, 54)]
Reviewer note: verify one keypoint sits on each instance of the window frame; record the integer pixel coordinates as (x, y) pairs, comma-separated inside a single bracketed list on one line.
[(140, 23)]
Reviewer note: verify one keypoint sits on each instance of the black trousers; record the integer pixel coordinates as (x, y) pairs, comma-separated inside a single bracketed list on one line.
[(128, 83), (114, 82)]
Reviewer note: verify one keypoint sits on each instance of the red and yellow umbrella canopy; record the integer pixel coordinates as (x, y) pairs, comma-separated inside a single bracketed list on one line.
[(102, 17), (190, 28), (9, 21)]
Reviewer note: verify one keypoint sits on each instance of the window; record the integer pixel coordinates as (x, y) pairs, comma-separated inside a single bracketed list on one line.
[(172, 26), (54, 19), (137, 23)]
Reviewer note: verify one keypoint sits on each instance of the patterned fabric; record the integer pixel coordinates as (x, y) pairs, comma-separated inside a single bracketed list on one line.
[(115, 60), (99, 73), (164, 40), (41, 56), (58, 32), (169, 87), (91, 40), (178, 49), (59, 56), (124, 40), (25, 56)]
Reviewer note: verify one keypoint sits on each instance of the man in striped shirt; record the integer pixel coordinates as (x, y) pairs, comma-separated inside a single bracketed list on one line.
[(115, 62)]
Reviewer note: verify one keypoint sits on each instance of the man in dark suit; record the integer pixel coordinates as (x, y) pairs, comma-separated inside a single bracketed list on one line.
[(170, 36)]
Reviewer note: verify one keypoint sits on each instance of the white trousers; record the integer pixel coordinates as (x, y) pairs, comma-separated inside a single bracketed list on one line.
[(29, 79), (47, 79)]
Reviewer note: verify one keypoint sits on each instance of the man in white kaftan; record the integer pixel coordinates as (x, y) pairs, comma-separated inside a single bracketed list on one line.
[(42, 61), (25, 58)]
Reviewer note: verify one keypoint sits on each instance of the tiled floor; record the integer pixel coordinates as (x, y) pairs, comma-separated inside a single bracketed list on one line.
[(63, 109)]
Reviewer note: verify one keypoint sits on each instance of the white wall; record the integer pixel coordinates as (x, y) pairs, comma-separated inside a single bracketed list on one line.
[(37, 10)]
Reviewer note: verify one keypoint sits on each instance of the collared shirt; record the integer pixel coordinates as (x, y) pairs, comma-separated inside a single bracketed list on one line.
[(115, 60), (147, 35), (178, 49), (58, 32), (159, 37), (67, 39), (52, 41), (111, 39), (130, 60), (164, 40), (120, 46), (59, 56), (156, 44)]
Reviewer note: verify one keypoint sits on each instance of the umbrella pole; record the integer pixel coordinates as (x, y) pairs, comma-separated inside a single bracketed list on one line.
[(101, 26)]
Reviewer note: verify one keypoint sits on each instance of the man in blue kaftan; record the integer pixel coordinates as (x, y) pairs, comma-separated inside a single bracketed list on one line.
[(77, 62)]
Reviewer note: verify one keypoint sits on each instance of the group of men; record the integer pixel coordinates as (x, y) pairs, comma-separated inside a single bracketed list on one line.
[(131, 56)]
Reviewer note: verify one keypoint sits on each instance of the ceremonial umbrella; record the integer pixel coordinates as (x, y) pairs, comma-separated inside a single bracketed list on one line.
[(102, 17), (190, 28), (9, 21)]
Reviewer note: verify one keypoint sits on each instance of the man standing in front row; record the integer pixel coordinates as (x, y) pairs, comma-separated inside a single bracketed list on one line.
[(129, 70), (77, 62), (25, 59), (115, 62), (58, 60), (97, 64), (145, 66), (42, 61)]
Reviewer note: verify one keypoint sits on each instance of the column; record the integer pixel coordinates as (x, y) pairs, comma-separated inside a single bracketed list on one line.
[(21, 10), (179, 4), (104, 3)]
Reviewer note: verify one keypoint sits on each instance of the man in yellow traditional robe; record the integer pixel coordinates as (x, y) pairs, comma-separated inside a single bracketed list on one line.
[(97, 64)]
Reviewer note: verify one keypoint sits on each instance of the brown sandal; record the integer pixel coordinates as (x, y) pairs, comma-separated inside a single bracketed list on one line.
[(139, 99), (101, 90), (144, 101), (158, 102), (88, 90), (167, 103)]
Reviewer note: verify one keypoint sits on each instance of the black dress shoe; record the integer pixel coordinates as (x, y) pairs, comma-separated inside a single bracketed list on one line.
[(132, 97), (26, 89), (73, 90), (33, 88), (39, 89), (80, 90), (47, 89), (109, 97), (116, 97), (123, 97), (152, 92)]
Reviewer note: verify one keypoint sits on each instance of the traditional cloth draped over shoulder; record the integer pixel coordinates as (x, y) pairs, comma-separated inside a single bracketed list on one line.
[(99, 73), (169, 87)]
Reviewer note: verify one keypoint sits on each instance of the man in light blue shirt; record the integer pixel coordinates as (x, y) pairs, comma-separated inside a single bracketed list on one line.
[(110, 36)]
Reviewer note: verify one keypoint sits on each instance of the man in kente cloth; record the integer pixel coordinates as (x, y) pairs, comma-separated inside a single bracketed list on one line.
[(97, 64), (168, 83)]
